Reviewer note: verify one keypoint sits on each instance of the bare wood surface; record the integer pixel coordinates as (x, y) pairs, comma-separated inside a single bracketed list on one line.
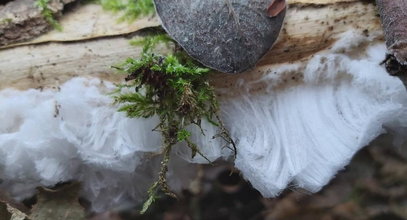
[(37, 66), (309, 28)]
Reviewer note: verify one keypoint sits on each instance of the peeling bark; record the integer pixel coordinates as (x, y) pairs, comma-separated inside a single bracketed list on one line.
[(21, 20), (393, 14), (90, 21)]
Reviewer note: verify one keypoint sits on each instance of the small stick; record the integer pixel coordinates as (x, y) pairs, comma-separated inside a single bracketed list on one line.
[(393, 14)]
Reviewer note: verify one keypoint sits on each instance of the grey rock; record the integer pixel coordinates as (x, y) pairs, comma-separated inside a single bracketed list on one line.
[(226, 35)]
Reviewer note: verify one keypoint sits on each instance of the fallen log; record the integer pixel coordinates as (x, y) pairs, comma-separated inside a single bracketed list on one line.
[(308, 29), (314, 100)]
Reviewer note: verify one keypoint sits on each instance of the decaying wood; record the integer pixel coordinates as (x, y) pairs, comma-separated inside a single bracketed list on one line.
[(393, 14), (90, 21), (36, 66), (21, 20), (309, 28)]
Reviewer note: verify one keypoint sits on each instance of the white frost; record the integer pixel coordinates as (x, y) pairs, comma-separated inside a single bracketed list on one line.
[(300, 132), (54, 136)]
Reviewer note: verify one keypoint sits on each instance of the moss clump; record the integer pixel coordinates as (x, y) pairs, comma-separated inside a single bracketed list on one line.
[(176, 89), (5, 21), (132, 9), (48, 14)]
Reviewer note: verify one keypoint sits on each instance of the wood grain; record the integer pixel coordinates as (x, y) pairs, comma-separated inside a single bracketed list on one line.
[(309, 28)]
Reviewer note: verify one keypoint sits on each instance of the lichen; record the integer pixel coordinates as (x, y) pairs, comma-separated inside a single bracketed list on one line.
[(132, 9), (48, 14), (174, 88)]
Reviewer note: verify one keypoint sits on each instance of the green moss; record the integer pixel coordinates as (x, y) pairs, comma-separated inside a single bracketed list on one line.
[(151, 41), (176, 89), (48, 14), (6, 20), (132, 9)]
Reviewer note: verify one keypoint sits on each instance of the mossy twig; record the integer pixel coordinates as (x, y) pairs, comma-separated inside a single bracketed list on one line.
[(176, 89)]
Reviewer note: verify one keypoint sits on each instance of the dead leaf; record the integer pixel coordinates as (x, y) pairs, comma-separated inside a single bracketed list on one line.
[(16, 214), (10, 209), (61, 204), (4, 213), (8, 212), (276, 7)]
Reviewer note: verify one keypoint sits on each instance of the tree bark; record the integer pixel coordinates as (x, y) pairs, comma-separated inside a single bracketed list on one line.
[(393, 14), (21, 20)]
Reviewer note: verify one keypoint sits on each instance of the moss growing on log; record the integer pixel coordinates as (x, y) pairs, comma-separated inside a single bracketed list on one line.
[(176, 89), (48, 14), (132, 9)]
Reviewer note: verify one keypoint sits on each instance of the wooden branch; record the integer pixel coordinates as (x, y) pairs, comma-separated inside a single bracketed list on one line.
[(309, 28)]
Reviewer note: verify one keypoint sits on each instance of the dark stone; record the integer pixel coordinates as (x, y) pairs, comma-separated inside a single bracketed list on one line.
[(226, 35)]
